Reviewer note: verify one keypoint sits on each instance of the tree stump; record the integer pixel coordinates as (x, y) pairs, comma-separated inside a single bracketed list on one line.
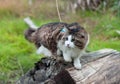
[(98, 67)]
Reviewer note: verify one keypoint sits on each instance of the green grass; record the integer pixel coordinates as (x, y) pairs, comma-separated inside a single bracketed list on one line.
[(17, 55), (97, 44)]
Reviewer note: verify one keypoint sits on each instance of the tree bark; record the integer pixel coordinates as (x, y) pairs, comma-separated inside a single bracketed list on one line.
[(98, 67), (105, 70)]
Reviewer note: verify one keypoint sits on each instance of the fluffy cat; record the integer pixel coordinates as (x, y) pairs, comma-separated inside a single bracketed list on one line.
[(73, 44), (70, 40)]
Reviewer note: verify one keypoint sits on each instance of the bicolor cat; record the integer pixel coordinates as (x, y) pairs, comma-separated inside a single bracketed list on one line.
[(70, 40)]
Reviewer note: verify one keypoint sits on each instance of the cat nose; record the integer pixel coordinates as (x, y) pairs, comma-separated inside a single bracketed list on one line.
[(67, 45)]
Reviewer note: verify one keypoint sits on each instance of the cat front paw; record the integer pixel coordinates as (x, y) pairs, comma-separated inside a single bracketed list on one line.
[(78, 66)]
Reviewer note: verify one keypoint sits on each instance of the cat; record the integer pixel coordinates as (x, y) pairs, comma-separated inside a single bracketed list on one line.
[(69, 40), (73, 44)]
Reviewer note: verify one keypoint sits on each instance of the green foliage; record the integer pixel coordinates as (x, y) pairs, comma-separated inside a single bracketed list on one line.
[(113, 5), (116, 7), (99, 44), (108, 25), (17, 55)]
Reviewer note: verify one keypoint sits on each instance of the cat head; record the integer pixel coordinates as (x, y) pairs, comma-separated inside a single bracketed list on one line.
[(75, 36)]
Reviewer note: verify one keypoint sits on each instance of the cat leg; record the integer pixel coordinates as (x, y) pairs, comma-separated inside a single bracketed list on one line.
[(77, 63), (43, 50), (67, 57), (59, 52)]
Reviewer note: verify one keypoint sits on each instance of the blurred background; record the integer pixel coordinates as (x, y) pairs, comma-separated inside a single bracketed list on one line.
[(101, 18)]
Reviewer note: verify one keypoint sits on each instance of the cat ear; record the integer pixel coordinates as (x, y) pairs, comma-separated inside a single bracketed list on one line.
[(64, 29), (73, 24)]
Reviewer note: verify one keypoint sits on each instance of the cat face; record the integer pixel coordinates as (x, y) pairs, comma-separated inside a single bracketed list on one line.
[(75, 36), (72, 41), (69, 41)]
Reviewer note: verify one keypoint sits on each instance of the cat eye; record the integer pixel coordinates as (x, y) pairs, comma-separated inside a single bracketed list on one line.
[(66, 38), (82, 36), (73, 40)]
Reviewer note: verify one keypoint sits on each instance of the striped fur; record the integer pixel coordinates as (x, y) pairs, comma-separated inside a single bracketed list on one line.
[(52, 37)]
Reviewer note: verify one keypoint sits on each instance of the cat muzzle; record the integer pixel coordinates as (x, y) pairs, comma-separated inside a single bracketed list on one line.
[(68, 46)]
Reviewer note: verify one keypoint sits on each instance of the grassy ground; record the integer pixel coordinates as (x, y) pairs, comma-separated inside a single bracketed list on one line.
[(17, 55)]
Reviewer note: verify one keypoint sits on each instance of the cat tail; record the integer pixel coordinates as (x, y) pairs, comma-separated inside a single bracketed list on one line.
[(30, 23), (30, 33)]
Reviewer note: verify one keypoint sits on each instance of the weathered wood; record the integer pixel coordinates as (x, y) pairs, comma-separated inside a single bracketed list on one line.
[(99, 67), (101, 71)]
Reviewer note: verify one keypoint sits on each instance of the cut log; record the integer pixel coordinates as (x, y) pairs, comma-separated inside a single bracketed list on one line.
[(99, 67)]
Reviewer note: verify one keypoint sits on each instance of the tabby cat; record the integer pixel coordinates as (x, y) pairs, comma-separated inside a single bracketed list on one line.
[(70, 40)]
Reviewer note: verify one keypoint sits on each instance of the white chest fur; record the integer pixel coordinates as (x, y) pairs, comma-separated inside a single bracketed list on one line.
[(71, 54)]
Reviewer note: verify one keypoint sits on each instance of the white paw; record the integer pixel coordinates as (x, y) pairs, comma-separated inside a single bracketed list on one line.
[(67, 59), (78, 66)]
